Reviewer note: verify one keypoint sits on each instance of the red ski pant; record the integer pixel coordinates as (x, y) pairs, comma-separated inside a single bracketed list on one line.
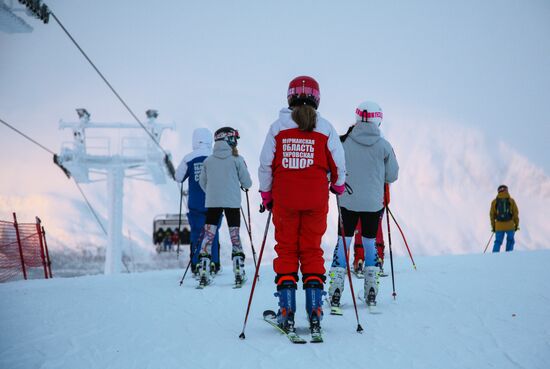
[(358, 249), (379, 234), (298, 235)]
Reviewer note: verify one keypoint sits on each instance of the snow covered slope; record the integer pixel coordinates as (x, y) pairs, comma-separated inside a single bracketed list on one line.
[(469, 311)]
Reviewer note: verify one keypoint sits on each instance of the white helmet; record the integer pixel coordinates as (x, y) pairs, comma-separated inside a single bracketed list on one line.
[(369, 111)]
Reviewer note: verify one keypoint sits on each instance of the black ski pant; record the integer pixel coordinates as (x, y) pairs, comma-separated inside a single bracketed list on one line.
[(233, 216), (369, 222)]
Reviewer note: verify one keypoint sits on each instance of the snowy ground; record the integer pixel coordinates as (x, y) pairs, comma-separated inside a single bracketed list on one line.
[(470, 311)]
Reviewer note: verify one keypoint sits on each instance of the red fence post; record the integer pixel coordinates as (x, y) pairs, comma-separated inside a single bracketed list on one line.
[(42, 254), (47, 253), (20, 246)]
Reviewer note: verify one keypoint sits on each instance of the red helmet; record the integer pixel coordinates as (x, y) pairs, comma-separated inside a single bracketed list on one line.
[(303, 90)]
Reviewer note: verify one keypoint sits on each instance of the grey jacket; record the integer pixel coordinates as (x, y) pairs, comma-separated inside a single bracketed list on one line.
[(370, 162), (222, 176)]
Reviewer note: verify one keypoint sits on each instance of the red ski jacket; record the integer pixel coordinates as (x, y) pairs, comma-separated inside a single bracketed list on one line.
[(294, 164)]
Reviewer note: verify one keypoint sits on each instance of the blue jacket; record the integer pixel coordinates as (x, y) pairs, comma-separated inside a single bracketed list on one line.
[(191, 168)]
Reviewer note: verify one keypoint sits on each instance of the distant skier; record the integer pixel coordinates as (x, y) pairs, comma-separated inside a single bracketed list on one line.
[(223, 175), (504, 217), (300, 149), (190, 168), (159, 239), (175, 239), (167, 243), (370, 162)]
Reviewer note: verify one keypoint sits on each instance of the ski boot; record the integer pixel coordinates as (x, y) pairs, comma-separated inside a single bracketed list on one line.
[(217, 267), (212, 269), (371, 285), (203, 270), (238, 268), (359, 259), (286, 292), (314, 306), (380, 264), (380, 259), (336, 286), (359, 269)]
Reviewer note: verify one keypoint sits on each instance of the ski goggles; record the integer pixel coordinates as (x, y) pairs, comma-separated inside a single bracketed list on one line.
[(365, 115)]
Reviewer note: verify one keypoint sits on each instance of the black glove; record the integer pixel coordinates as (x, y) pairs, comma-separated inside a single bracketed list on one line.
[(268, 207)]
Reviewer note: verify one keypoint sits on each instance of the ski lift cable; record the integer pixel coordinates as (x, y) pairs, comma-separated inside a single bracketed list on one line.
[(90, 207), (27, 137), (51, 152), (106, 81)]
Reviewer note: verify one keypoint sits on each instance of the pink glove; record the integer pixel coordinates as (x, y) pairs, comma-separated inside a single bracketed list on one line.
[(267, 199), (337, 189)]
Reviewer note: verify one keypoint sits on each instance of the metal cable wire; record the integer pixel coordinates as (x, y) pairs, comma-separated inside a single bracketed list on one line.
[(106, 81), (27, 137), (91, 208), (51, 152)]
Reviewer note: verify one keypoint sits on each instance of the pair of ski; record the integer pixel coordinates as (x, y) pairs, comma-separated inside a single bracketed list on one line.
[(271, 318), (361, 275), (203, 282), (337, 310)]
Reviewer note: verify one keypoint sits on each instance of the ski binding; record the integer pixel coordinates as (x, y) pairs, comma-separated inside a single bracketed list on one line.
[(271, 318)]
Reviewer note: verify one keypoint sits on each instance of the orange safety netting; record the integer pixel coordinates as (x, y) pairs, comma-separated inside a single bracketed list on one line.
[(19, 254)]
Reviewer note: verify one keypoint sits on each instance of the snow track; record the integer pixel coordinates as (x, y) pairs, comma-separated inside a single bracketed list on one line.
[(472, 311)]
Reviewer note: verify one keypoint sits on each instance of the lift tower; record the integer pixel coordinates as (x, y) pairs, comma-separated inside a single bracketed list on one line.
[(112, 158)]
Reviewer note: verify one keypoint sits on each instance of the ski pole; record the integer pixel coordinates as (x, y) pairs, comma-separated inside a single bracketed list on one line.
[(179, 222), (341, 221), (391, 254), (250, 236), (249, 225), (192, 252), (245, 222), (186, 269), (402, 235), (492, 234), (242, 336)]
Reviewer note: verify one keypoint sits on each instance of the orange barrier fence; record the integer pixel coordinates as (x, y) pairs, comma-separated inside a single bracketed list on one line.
[(23, 248)]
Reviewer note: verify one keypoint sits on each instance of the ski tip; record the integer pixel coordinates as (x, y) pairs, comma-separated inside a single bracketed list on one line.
[(242, 336), (359, 328)]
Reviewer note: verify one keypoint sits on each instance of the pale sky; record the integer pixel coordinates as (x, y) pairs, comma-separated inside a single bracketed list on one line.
[(485, 64)]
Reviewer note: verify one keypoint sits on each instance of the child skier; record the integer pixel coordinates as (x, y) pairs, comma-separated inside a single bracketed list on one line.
[(222, 176), (190, 168), (300, 149), (370, 162)]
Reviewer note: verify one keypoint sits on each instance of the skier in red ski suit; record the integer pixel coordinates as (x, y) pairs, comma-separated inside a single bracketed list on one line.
[(300, 149)]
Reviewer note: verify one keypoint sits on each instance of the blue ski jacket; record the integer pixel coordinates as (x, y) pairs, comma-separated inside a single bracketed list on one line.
[(191, 168)]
